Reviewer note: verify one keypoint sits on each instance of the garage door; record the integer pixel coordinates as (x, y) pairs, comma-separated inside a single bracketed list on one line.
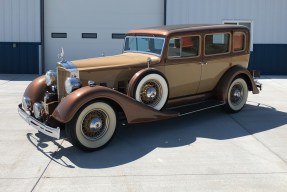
[(93, 28)]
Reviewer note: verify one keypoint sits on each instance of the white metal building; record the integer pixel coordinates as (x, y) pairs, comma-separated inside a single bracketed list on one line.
[(33, 31)]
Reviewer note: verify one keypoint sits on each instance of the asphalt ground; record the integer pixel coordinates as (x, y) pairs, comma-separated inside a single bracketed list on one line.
[(206, 151)]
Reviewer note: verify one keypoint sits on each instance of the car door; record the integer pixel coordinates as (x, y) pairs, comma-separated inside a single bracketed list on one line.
[(216, 59), (182, 67)]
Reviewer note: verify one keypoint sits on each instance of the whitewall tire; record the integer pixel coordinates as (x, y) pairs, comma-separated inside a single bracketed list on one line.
[(237, 95), (93, 127), (152, 90)]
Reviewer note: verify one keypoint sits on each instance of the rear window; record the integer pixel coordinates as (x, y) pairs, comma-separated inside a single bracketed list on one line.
[(238, 41)]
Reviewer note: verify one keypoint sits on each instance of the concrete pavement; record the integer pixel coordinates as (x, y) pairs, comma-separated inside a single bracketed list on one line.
[(206, 151)]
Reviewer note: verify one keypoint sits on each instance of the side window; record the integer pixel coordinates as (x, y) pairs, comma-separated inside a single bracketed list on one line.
[(174, 47), (187, 46), (217, 43), (238, 41)]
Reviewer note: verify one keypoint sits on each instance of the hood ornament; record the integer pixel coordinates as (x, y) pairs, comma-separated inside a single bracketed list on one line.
[(61, 56)]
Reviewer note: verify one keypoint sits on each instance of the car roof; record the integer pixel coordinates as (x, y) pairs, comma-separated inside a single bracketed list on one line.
[(174, 29)]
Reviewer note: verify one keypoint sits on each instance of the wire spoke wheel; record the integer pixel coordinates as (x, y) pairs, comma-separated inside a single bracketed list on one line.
[(92, 127)]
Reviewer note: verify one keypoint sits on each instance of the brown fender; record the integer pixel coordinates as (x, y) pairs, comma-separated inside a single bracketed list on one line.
[(225, 81), (140, 74), (36, 89), (135, 111)]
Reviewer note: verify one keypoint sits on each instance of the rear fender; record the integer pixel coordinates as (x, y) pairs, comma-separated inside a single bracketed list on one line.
[(226, 80), (135, 111)]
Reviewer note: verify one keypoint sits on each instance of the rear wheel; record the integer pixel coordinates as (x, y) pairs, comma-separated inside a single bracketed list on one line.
[(93, 126), (237, 95)]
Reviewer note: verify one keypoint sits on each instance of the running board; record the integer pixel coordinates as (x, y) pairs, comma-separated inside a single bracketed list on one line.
[(193, 108)]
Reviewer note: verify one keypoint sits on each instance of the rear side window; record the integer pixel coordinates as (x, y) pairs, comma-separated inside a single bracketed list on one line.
[(217, 43), (238, 41), (187, 46)]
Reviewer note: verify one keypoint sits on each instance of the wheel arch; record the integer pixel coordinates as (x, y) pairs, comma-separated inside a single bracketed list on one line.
[(231, 74)]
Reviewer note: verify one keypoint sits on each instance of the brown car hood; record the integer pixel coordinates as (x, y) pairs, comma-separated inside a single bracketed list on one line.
[(125, 59)]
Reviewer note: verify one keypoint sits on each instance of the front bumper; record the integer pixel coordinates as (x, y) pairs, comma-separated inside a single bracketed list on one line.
[(50, 131)]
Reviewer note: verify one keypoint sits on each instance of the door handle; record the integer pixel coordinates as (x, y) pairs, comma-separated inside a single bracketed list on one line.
[(203, 62)]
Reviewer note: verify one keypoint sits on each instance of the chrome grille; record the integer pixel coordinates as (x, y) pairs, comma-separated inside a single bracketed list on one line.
[(62, 76)]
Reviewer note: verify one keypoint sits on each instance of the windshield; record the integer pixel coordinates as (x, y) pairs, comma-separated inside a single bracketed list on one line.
[(153, 45)]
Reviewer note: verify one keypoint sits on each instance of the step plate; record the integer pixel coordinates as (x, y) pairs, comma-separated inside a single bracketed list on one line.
[(196, 107)]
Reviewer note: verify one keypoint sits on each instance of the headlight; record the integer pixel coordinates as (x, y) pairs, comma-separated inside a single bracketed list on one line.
[(26, 103), (38, 110), (71, 84), (51, 78)]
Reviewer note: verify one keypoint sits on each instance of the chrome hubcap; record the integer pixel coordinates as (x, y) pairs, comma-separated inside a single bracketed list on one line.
[(237, 93), (96, 124), (151, 93)]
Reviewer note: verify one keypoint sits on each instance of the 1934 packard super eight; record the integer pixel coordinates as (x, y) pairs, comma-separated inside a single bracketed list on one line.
[(163, 72)]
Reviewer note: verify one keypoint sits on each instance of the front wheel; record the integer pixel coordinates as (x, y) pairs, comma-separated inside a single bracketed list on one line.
[(237, 95), (93, 126)]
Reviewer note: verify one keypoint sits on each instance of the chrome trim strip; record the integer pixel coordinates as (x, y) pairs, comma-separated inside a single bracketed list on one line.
[(50, 131), (151, 37)]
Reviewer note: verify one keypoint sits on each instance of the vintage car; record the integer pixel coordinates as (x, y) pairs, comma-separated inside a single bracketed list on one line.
[(163, 72)]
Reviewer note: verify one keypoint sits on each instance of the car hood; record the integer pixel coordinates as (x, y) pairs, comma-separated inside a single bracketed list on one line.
[(125, 59)]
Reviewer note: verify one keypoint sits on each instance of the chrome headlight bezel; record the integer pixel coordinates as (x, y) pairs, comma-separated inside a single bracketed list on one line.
[(51, 77), (26, 103), (71, 84), (38, 110)]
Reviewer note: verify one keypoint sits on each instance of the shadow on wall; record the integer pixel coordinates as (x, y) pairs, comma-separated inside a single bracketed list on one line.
[(135, 141)]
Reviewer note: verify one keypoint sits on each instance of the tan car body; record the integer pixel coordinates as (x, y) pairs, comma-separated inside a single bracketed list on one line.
[(189, 79)]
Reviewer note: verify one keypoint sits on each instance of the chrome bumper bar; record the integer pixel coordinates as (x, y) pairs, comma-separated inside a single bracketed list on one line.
[(50, 131)]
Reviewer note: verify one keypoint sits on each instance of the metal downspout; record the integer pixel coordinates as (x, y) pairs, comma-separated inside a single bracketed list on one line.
[(42, 36), (165, 5)]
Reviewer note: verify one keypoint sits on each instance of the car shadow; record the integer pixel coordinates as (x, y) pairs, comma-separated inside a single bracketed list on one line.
[(132, 142)]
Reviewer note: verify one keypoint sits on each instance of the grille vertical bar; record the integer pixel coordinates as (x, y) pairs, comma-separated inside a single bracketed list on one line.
[(62, 76)]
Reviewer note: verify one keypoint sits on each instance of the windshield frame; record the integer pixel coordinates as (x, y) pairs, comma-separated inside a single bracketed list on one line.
[(141, 36)]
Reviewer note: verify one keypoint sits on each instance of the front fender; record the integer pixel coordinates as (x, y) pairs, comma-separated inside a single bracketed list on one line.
[(36, 89), (226, 80), (135, 111)]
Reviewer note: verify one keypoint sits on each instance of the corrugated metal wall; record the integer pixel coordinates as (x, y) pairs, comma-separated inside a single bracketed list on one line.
[(20, 36), (268, 16), (269, 25), (20, 21)]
